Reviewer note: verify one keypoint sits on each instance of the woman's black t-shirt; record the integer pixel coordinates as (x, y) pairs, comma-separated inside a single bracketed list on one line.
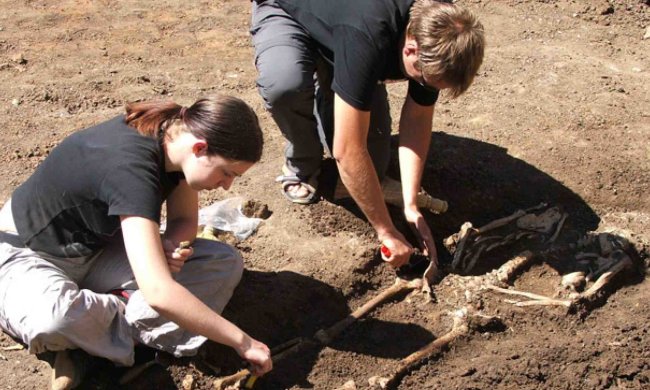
[(72, 203), (361, 38)]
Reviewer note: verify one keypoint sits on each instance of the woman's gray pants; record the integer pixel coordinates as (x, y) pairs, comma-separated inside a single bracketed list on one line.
[(294, 81), (55, 304)]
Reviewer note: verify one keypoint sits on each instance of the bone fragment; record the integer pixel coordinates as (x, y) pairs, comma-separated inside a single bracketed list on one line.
[(463, 236), (392, 190), (349, 385), (427, 278), (463, 324), (542, 223), (497, 223), (15, 347), (325, 336), (222, 383), (535, 298), (504, 273), (585, 299), (545, 302), (459, 328), (574, 280), (188, 382)]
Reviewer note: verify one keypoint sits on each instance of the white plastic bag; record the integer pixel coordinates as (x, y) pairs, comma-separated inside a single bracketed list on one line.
[(227, 215)]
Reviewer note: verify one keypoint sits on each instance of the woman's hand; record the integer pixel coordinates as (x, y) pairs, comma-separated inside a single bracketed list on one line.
[(258, 355), (176, 256), (423, 233)]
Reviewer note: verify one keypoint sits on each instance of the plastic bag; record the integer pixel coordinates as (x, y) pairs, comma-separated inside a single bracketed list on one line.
[(227, 215)]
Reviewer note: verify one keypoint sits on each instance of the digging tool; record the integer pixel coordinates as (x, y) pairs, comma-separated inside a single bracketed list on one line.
[(417, 262)]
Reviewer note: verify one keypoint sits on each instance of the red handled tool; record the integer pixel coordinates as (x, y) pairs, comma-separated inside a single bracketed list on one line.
[(416, 261)]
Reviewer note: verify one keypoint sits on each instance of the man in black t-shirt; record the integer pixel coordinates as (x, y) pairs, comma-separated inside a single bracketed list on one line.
[(323, 65)]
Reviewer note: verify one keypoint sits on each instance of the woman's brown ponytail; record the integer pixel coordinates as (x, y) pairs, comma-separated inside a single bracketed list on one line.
[(228, 125)]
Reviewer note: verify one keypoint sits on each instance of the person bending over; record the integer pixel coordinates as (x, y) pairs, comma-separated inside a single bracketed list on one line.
[(322, 69)]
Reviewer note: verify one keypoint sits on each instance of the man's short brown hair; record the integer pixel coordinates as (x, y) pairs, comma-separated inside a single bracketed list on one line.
[(450, 40)]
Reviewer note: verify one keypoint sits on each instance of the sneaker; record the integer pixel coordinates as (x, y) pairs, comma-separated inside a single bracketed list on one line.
[(69, 369)]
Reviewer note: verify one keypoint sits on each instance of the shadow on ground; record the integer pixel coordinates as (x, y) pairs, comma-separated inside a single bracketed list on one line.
[(273, 307), (481, 182)]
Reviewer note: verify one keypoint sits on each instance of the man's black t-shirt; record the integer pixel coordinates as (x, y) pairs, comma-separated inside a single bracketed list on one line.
[(72, 203), (362, 39)]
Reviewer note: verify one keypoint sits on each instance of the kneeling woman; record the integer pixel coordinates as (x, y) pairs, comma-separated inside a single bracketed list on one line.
[(87, 223)]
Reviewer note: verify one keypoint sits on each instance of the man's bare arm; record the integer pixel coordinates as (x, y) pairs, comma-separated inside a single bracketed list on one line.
[(358, 175), (414, 140)]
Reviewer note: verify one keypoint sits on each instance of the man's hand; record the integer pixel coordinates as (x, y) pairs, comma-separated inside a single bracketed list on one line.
[(423, 233), (400, 250), (176, 255), (258, 355)]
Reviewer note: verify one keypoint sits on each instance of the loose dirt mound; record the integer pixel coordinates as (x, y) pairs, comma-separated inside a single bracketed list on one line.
[(558, 114)]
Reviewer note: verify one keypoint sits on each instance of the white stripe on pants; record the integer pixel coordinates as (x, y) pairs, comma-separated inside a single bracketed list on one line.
[(55, 304)]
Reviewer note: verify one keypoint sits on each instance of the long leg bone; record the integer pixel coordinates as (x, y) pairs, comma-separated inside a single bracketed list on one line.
[(464, 323), (326, 336)]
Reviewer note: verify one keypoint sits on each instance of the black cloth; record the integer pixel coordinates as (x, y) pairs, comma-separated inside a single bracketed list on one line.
[(72, 203), (361, 38)]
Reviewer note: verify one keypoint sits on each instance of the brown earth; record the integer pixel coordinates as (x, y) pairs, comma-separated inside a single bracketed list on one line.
[(559, 113)]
